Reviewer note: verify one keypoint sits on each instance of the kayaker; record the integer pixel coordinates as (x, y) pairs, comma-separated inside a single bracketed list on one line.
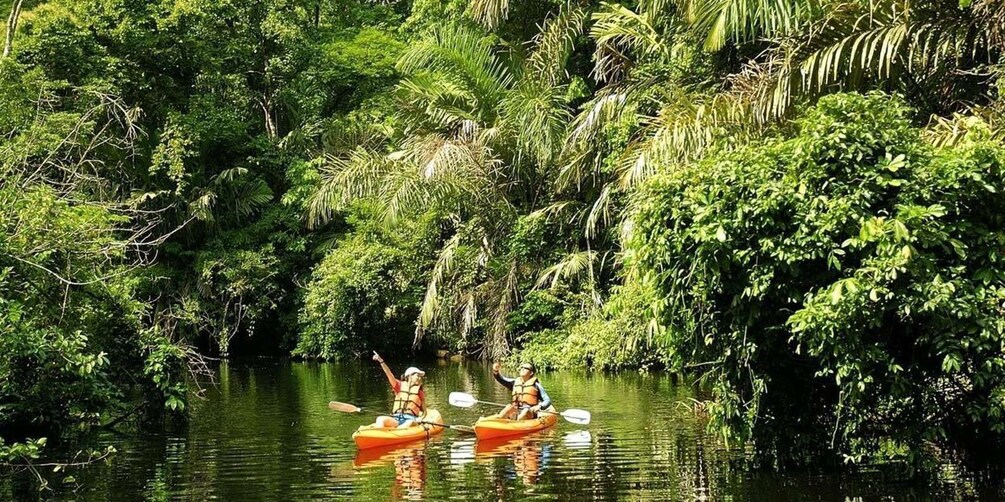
[(409, 397), (529, 396)]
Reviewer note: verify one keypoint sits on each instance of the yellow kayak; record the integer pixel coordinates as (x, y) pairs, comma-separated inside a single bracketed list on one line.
[(490, 427), (368, 436)]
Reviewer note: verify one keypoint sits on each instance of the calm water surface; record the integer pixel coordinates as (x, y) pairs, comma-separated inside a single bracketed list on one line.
[(265, 433)]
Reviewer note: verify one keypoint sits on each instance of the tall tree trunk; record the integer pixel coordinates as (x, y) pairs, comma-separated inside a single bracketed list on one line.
[(15, 13), (270, 121)]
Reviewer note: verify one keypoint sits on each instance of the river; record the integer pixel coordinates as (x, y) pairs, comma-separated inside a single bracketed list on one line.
[(264, 432)]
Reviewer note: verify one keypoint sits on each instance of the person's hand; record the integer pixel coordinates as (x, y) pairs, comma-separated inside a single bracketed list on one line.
[(536, 408), (496, 366), (376, 357)]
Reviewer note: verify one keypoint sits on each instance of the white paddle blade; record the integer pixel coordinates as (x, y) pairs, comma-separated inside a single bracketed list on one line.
[(461, 400), (581, 417)]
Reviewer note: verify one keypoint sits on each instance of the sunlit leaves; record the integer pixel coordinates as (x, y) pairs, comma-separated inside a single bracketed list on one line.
[(851, 250)]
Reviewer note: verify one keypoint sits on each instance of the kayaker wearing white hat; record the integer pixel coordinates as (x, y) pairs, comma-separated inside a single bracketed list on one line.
[(409, 397)]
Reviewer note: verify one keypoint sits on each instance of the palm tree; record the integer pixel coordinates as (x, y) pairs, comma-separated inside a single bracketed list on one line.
[(942, 55), (688, 76), (483, 130)]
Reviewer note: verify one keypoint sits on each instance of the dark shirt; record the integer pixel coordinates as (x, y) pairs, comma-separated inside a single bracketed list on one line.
[(508, 383)]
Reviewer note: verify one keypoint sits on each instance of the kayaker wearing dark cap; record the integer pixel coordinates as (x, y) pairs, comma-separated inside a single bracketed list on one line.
[(409, 397), (529, 396)]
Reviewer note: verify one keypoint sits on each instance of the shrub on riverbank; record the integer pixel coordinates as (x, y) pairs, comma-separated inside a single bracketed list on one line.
[(843, 284), (365, 293), (610, 338)]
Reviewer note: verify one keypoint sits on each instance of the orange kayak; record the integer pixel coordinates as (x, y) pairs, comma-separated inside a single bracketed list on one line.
[(490, 427), (368, 436)]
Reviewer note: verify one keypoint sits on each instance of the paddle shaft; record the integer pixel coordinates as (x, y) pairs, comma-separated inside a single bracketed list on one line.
[(461, 428), (522, 407), (465, 400)]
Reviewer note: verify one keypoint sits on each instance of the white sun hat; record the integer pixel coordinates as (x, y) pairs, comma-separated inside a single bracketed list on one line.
[(413, 370)]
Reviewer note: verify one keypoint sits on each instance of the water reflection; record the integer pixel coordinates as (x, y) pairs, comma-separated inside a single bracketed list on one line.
[(529, 456), (265, 433), (409, 461), (577, 440)]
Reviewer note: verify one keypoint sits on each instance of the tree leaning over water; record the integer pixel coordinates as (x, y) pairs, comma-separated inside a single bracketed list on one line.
[(840, 285), (75, 341)]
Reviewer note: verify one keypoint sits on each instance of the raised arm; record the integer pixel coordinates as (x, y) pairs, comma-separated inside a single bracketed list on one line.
[(506, 382), (387, 371)]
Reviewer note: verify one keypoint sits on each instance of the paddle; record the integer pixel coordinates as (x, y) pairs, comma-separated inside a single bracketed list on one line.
[(460, 399), (458, 428), (351, 408), (344, 407)]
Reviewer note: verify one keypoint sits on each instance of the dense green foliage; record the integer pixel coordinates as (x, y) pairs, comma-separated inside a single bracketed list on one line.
[(365, 293), (150, 164), (190, 178), (843, 282)]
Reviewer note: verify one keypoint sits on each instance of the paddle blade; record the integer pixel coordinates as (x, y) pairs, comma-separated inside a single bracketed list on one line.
[(463, 428), (581, 417), (344, 407), (461, 400)]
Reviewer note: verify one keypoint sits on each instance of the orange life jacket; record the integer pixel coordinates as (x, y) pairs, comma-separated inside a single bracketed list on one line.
[(525, 392), (407, 400)]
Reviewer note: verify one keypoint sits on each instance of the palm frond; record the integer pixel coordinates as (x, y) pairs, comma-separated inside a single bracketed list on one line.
[(489, 13), (468, 313), (554, 209), (554, 44), (571, 266), (620, 34), (202, 207), (982, 124), (600, 212), (252, 196), (991, 16), (463, 171), (861, 45), (504, 293), (431, 301), (604, 109), (718, 21), (466, 59), (229, 175), (582, 150), (683, 130), (537, 116), (877, 42), (341, 137), (437, 101), (360, 175)]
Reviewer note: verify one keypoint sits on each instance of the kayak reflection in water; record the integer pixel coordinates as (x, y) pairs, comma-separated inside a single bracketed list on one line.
[(528, 395), (530, 456), (410, 475), (409, 397), (409, 468)]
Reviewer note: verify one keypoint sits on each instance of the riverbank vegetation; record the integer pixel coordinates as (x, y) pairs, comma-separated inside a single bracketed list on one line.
[(796, 202)]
